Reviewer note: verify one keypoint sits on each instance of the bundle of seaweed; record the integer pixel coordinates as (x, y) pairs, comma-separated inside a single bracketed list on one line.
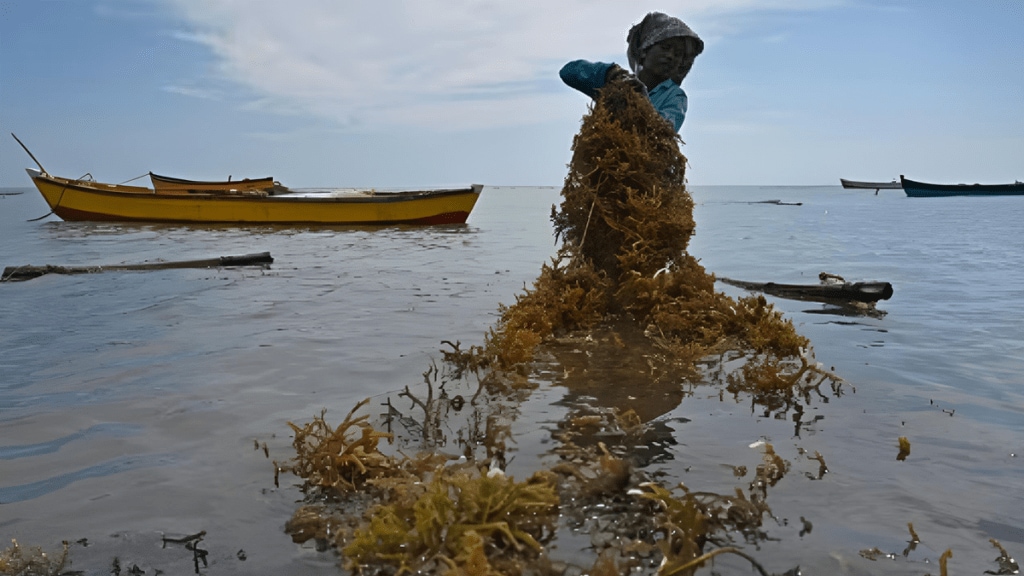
[(622, 274), (625, 221), (623, 269), (625, 207)]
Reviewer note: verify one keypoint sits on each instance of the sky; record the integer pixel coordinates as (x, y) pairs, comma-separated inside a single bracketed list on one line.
[(399, 93)]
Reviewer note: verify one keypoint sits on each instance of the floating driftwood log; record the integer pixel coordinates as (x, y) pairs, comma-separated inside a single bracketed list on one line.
[(832, 289), (27, 272)]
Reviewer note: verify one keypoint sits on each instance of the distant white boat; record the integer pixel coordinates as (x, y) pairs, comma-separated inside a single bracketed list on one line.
[(876, 186)]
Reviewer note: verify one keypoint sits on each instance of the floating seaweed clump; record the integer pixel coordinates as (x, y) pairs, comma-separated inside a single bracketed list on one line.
[(1007, 565), (468, 520), (687, 522), (384, 515), (904, 448), (32, 561), (345, 458)]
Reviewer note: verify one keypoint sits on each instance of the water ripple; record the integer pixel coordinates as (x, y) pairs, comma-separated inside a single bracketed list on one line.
[(32, 490), (28, 450)]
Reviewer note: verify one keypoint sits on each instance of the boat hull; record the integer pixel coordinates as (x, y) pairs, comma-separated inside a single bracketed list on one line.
[(894, 185), (917, 189), (75, 200)]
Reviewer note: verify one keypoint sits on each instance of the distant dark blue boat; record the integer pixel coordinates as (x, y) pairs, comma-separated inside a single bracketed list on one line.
[(925, 190)]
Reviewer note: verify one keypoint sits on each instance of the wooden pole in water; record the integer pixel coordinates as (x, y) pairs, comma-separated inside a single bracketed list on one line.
[(28, 272), (846, 291)]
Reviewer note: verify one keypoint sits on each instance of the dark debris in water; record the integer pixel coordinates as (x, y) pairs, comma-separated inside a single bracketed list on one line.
[(134, 560)]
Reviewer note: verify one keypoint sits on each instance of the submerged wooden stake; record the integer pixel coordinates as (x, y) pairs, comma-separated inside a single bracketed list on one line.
[(12, 273), (845, 292)]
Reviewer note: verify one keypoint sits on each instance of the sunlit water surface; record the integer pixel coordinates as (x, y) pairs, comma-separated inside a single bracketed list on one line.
[(132, 403)]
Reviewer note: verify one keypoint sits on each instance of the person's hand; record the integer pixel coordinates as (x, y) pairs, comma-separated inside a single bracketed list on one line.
[(617, 73)]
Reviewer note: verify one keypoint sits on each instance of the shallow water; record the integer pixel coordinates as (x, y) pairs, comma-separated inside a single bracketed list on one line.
[(132, 403)]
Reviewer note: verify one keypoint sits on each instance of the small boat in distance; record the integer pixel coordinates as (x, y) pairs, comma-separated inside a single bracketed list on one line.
[(88, 200), (170, 185), (876, 186), (917, 189)]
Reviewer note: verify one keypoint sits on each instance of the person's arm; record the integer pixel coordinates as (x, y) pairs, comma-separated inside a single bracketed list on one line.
[(587, 77), (590, 77)]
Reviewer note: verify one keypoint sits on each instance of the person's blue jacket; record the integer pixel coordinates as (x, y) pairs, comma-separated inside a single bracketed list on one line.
[(668, 98)]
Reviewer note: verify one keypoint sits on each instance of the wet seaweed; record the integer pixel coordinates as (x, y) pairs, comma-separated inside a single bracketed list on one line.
[(467, 520), (622, 275), (904, 448), (343, 458), (621, 289), (32, 561), (392, 513), (944, 561), (913, 542), (822, 467), (1007, 565), (625, 222), (685, 524), (622, 284)]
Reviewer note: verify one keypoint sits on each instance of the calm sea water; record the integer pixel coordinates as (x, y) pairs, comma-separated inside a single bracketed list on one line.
[(131, 403)]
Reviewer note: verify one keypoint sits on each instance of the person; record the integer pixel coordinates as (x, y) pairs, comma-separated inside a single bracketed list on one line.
[(661, 50)]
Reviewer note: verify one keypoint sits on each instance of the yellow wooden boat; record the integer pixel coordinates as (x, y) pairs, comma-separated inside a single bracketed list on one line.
[(96, 201)]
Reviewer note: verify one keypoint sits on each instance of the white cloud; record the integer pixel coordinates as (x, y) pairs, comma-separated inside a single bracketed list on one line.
[(204, 93), (453, 64)]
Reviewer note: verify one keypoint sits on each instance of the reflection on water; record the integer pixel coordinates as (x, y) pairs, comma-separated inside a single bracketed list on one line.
[(600, 446), (850, 310)]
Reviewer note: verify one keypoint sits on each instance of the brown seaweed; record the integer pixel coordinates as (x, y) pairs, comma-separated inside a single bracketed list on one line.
[(621, 288), (1007, 565), (344, 458), (462, 519), (622, 285), (33, 560), (904, 448), (625, 222)]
